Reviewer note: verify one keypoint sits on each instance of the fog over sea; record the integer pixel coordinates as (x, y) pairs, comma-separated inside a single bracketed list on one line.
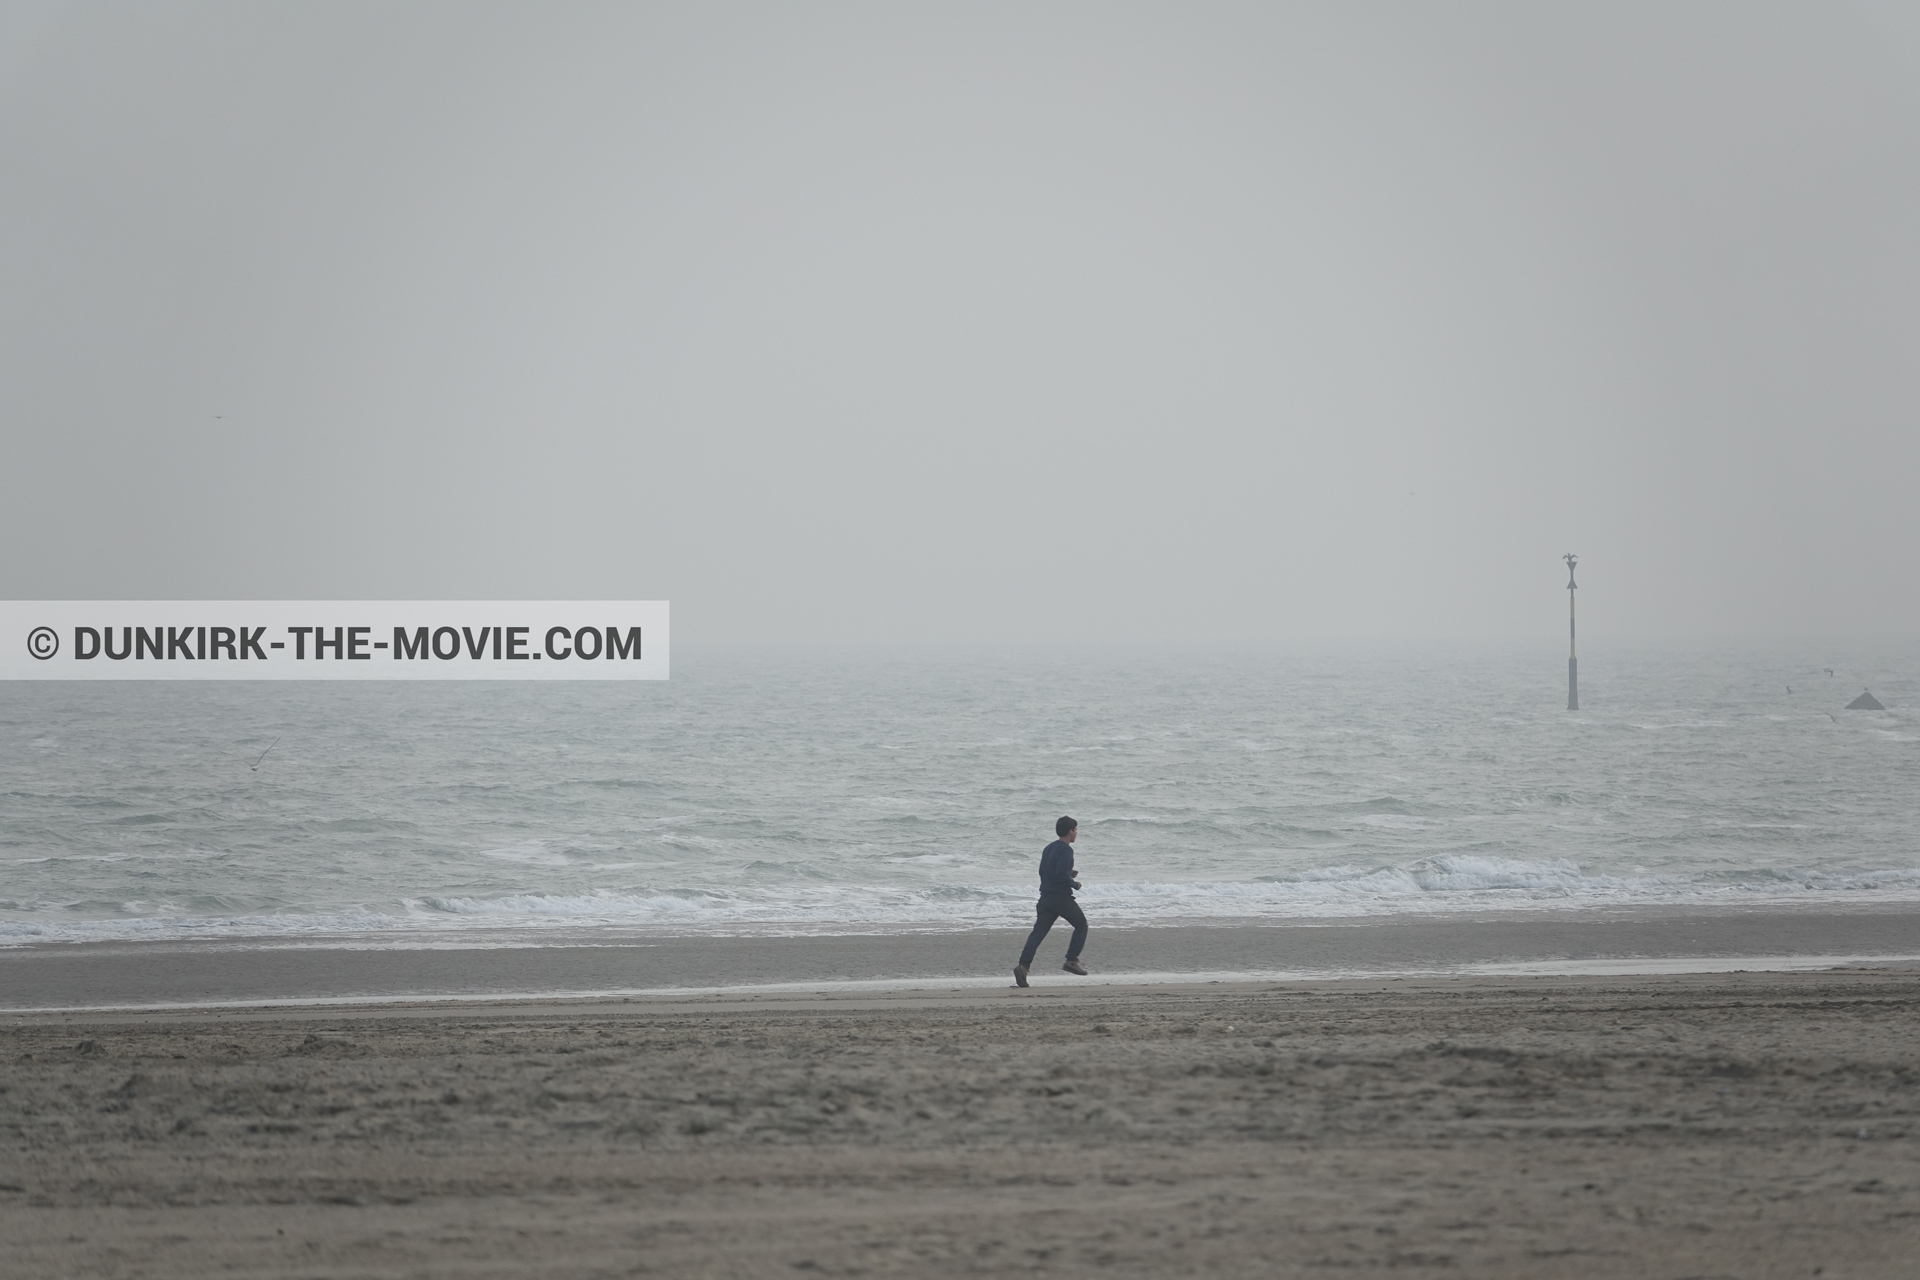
[(886, 792)]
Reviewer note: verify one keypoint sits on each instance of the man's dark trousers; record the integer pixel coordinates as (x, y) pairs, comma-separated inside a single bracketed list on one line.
[(1056, 907)]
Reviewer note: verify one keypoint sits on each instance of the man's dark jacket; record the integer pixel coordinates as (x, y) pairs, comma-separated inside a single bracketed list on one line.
[(1056, 870)]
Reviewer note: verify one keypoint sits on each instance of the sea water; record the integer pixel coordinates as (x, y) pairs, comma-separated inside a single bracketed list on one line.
[(873, 791)]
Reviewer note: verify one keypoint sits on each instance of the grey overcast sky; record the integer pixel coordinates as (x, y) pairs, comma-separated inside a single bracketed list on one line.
[(972, 321)]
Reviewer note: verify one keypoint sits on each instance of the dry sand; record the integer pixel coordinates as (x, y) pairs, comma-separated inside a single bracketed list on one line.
[(1746, 1125)]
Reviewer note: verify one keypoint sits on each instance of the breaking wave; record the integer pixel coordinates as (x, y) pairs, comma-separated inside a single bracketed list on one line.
[(1428, 886)]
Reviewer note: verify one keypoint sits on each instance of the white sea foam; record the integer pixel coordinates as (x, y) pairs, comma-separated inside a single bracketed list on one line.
[(533, 853)]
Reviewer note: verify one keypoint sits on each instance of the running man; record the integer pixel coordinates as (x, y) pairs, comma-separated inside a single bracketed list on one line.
[(1057, 883)]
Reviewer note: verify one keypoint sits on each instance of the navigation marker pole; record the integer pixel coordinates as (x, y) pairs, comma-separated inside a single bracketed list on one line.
[(1573, 653)]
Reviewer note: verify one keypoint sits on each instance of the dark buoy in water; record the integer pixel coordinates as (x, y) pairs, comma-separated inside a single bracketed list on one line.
[(1865, 702)]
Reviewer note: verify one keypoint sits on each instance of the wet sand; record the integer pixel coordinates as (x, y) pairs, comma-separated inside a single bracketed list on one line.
[(1749, 1125), (124, 974)]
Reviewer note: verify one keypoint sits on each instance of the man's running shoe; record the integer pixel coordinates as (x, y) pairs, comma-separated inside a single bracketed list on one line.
[(1019, 975), (1074, 966)]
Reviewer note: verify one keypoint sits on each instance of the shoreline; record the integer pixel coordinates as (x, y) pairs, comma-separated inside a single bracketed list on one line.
[(933, 1000), (174, 974)]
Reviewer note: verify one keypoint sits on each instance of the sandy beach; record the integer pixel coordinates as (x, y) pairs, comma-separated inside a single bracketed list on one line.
[(1752, 1124)]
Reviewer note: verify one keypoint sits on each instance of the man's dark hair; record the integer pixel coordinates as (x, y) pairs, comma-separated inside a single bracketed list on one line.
[(1063, 826)]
